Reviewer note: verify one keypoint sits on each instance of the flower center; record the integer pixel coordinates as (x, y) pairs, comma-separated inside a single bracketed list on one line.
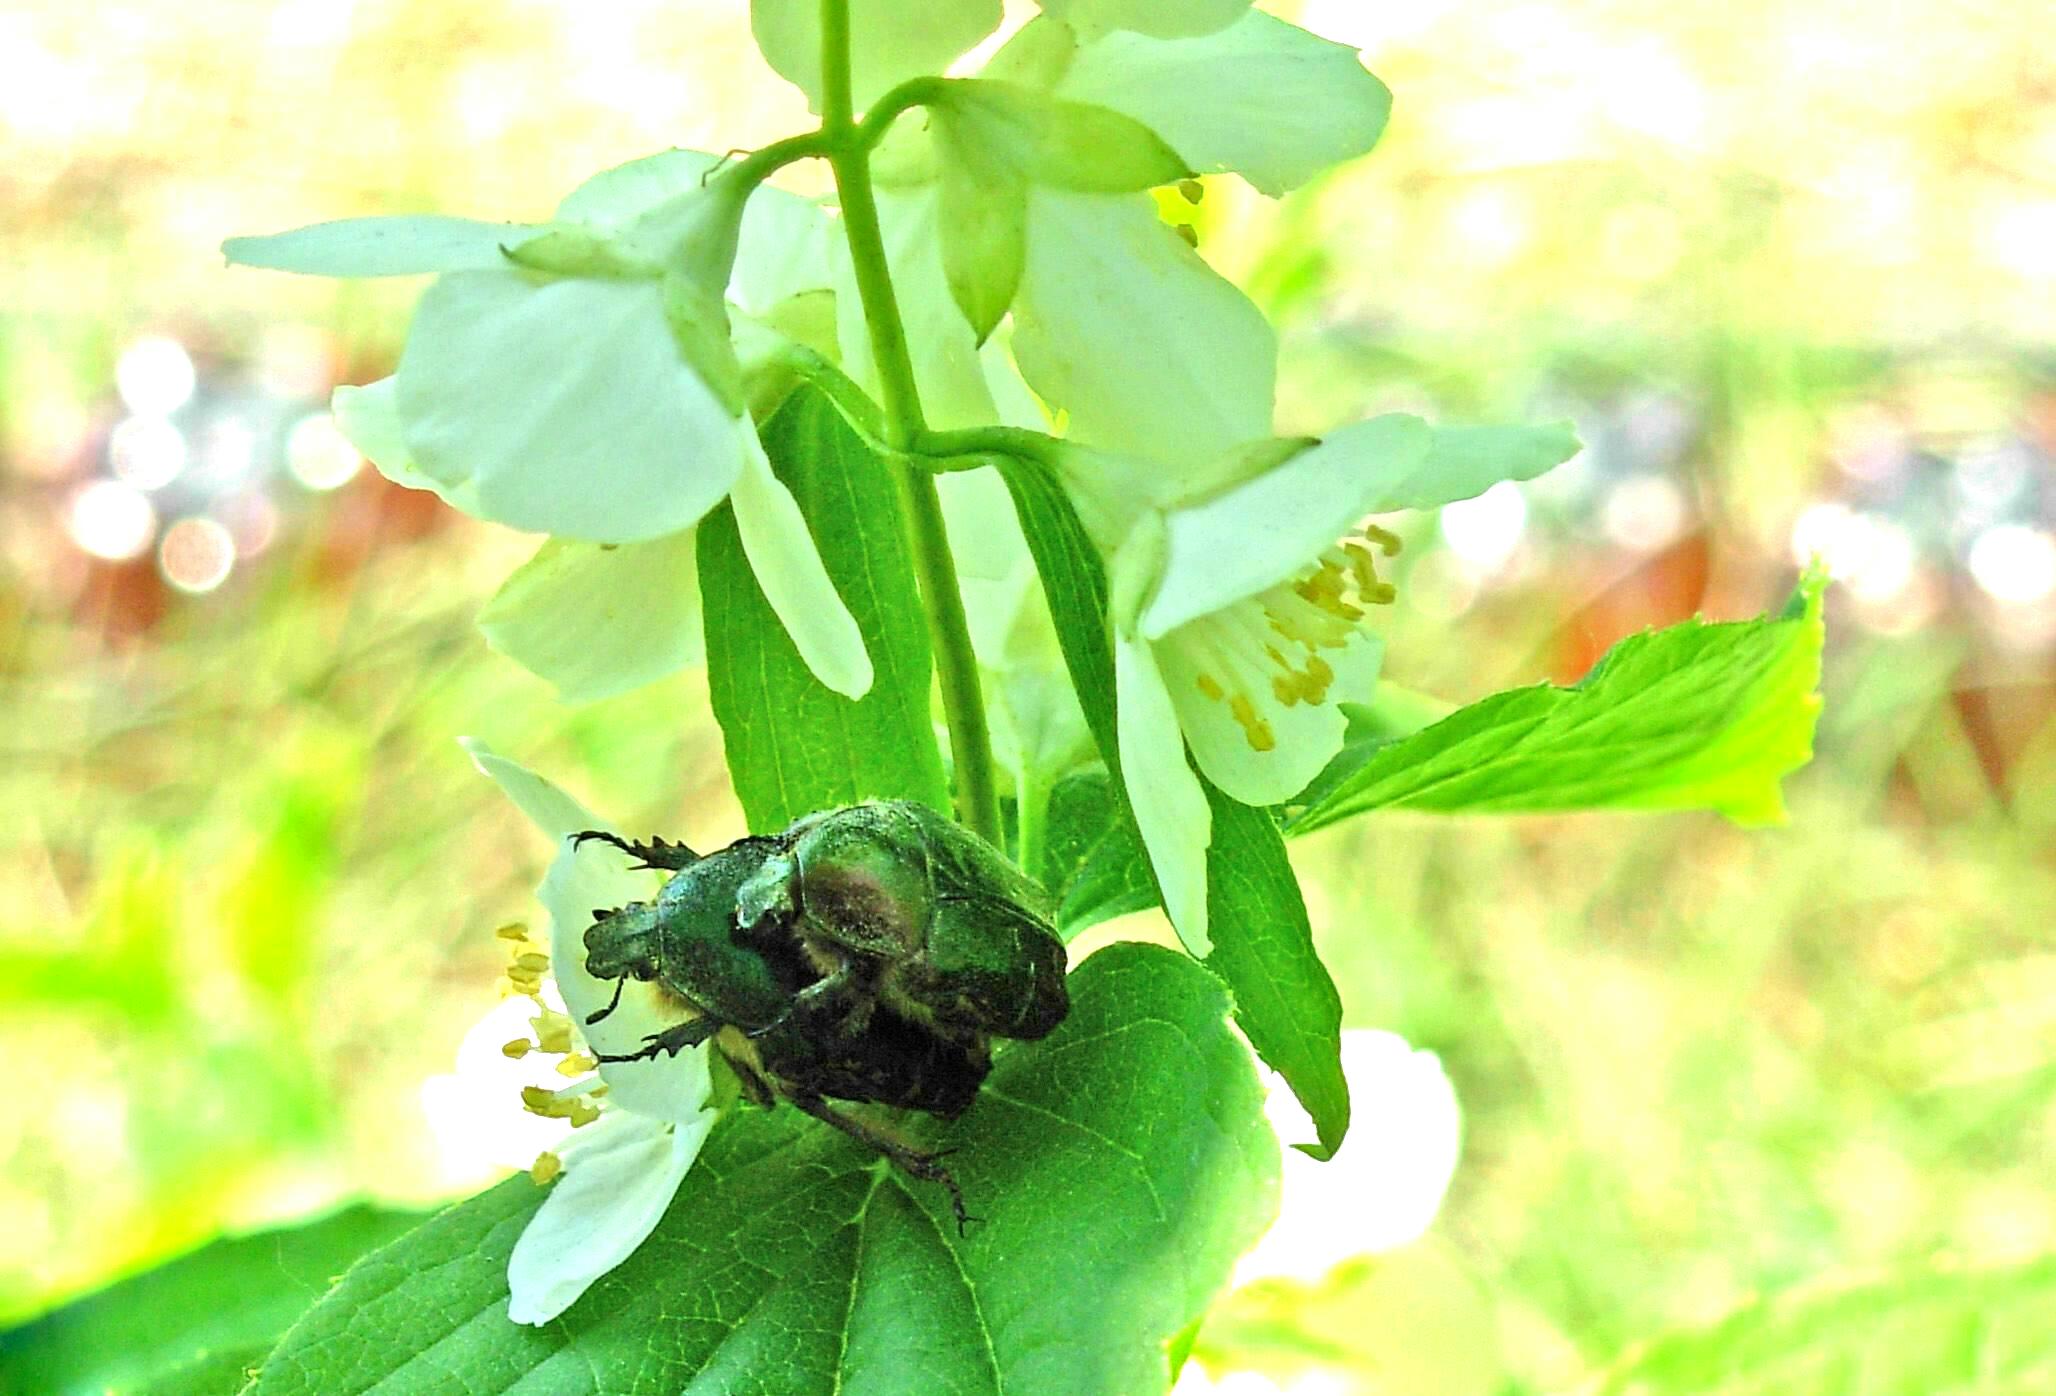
[(1275, 645)]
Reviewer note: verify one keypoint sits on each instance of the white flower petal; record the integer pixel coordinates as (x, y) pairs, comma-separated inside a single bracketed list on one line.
[(1464, 462), (984, 531), (784, 252), (1260, 97), (784, 238), (1167, 19), (557, 814), (618, 196), (597, 619), (890, 40), (788, 567), (1306, 735), (1171, 809), (370, 418), (566, 405), (411, 245), (948, 368), (597, 877), (620, 1174), (1148, 348), (1271, 528), (591, 877)]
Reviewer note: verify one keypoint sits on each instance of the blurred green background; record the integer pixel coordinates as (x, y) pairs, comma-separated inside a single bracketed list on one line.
[(1792, 269)]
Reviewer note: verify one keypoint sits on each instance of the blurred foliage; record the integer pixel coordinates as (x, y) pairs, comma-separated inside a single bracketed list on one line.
[(248, 883)]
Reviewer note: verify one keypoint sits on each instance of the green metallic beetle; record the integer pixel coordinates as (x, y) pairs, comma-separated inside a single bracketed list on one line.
[(868, 953)]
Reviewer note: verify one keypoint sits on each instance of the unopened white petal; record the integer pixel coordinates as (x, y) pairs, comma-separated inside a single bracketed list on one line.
[(565, 405), (788, 567), (1171, 809), (1261, 97), (1120, 323), (597, 619), (620, 1173), (1163, 18), (370, 418), (890, 40), (1271, 528), (411, 245)]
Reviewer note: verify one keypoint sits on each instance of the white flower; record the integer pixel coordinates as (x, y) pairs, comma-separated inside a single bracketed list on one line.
[(579, 379), (1384, 1186), (620, 1169), (1240, 592), (1117, 321)]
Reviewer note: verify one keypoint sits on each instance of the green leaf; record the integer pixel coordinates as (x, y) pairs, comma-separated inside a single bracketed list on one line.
[(795, 746), (1075, 584), (1924, 1334), (1694, 716), (1093, 862), (196, 1323), (1119, 1165), (1285, 1001)]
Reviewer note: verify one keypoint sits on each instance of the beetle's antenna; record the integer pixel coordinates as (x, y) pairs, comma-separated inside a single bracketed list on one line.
[(612, 1003)]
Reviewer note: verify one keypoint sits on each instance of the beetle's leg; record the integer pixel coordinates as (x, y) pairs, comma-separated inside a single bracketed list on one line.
[(661, 854), (829, 1002), (923, 1164), (672, 1040), (612, 1003), (750, 1079)]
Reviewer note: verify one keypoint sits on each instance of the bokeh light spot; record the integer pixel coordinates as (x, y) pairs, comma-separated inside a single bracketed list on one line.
[(146, 452), (112, 520), (155, 376), (319, 455), (2014, 564), (1644, 512), (196, 555)]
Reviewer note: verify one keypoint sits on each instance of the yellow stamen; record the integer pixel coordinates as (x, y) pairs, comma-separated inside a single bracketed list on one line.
[(1274, 649), (552, 1030), (513, 930), (531, 962), (1261, 738), (516, 1049), (545, 1168), (577, 1064), (582, 1114), (537, 1100)]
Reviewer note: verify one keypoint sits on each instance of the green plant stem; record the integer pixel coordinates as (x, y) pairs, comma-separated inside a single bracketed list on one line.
[(956, 667)]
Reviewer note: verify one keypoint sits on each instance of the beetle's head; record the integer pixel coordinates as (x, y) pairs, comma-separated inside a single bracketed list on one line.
[(623, 944)]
